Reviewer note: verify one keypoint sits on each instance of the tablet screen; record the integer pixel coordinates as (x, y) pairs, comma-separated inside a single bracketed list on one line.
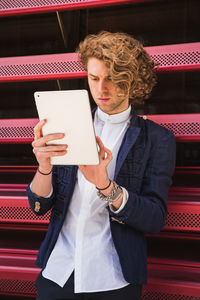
[(69, 112)]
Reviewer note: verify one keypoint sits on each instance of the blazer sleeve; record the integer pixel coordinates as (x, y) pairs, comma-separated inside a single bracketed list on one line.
[(41, 205), (147, 210)]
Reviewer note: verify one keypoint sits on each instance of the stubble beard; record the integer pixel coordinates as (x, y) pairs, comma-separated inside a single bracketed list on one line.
[(115, 107)]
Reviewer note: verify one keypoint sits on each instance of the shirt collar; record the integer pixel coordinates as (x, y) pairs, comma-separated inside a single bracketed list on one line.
[(116, 118)]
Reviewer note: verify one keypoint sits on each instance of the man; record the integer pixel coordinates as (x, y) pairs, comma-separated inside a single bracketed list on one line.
[(95, 245)]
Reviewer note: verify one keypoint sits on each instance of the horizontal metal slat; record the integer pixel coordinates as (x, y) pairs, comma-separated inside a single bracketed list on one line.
[(18, 281), (17, 130), (20, 7), (41, 67), (187, 170), (184, 191), (186, 128), (168, 279), (172, 281), (181, 57), (182, 215), (18, 169), (173, 191), (33, 168), (16, 209)]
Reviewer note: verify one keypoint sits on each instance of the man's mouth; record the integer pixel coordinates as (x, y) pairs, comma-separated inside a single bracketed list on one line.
[(103, 99)]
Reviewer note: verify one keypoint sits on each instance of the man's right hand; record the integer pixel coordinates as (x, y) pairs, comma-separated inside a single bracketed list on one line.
[(44, 152)]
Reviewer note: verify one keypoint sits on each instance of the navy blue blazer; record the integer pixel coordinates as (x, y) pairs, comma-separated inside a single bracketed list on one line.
[(144, 166)]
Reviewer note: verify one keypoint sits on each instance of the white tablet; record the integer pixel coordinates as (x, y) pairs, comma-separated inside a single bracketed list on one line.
[(69, 112)]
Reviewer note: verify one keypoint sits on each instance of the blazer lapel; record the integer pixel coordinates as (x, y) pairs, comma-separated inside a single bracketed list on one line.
[(127, 143), (128, 140)]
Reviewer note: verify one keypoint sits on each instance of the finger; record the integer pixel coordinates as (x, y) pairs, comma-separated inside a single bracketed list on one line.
[(38, 129), (44, 155), (101, 147), (53, 136), (81, 168), (109, 155), (51, 148), (47, 138)]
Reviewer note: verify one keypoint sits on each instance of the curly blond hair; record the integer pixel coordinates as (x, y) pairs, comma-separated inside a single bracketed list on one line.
[(130, 66)]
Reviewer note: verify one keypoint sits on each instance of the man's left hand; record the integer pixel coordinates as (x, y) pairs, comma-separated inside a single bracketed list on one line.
[(97, 174)]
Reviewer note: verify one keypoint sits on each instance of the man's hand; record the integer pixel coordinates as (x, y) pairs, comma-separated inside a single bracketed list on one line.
[(43, 152), (97, 174)]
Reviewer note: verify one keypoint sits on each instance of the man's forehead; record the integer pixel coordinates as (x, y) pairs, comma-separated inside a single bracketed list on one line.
[(97, 67)]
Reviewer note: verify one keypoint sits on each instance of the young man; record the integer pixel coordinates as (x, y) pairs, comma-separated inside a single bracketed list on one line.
[(95, 245)]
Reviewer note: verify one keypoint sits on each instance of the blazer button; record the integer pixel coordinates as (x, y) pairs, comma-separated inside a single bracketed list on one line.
[(144, 117), (114, 219), (37, 206)]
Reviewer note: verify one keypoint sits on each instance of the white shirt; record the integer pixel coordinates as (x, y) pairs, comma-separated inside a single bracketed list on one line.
[(85, 243)]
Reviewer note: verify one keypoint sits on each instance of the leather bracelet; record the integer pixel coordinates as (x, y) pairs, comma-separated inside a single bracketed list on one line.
[(105, 187), (44, 173)]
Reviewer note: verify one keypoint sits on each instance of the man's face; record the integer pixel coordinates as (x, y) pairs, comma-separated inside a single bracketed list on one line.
[(102, 88)]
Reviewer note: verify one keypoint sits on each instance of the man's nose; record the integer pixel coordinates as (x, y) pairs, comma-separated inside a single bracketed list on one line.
[(102, 86)]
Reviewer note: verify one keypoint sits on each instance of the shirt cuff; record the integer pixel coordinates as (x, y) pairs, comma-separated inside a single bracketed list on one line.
[(124, 201), (50, 194)]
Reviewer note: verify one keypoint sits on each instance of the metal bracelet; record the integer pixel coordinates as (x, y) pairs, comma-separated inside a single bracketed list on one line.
[(113, 195)]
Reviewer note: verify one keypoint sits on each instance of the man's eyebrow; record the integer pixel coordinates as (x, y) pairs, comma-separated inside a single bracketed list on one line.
[(92, 75)]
